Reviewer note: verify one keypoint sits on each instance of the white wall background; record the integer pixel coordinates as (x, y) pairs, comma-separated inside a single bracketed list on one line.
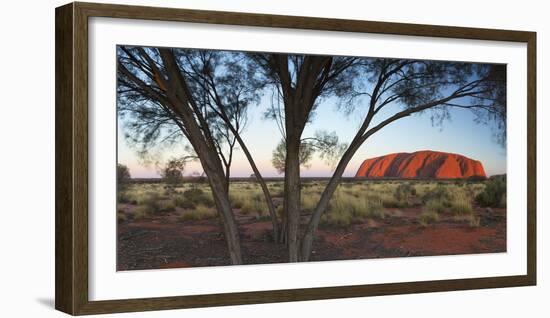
[(27, 158)]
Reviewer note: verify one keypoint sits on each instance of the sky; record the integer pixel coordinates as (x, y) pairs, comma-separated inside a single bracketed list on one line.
[(459, 135)]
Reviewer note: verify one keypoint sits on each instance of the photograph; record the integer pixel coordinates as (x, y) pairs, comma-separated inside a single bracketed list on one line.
[(239, 157)]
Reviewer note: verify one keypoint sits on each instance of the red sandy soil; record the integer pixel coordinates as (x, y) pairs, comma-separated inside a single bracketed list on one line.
[(166, 242), (421, 164)]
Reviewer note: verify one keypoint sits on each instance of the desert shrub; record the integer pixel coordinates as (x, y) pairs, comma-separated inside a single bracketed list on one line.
[(122, 196), (439, 193), (201, 212), (404, 191), (150, 203), (122, 176), (198, 196), (172, 172), (494, 194)]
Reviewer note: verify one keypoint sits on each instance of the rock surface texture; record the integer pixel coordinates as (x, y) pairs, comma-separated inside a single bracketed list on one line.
[(421, 165)]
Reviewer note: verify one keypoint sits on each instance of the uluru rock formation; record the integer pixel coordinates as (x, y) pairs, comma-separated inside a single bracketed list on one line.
[(421, 165)]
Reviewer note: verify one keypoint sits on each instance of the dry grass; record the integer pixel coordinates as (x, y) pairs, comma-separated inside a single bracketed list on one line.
[(201, 212), (345, 208), (353, 201)]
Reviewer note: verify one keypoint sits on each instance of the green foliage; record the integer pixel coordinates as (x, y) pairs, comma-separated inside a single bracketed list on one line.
[(494, 194), (123, 180), (278, 159), (404, 191), (172, 172), (440, 193), (122, 196), (152, 203), (122, 174), (329, 147)]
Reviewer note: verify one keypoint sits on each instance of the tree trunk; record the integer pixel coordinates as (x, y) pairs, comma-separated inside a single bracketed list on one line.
[(292, 194), (203, 143), (223, 205)]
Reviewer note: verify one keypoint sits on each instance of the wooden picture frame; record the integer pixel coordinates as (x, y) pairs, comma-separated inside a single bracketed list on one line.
[(71, 89)]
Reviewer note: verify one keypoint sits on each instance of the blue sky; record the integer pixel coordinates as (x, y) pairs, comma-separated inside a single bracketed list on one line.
[(459, 135)]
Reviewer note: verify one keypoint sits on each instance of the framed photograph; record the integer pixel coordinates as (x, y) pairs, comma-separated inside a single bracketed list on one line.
[(219, 158)]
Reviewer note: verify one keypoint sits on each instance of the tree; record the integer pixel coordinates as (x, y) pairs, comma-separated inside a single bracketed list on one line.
[(226, 84), (164, 105), (300, 81), (401, 88), (391, 89), (122, 174), (172, 172)]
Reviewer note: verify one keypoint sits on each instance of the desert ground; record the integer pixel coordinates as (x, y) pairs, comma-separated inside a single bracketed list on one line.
[(161, 226)]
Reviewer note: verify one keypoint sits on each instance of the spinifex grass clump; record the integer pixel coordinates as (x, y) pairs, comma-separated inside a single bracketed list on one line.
[(439, 193), (494, 194), (200, 212), (430, 212), (152, 203), (460, 204), (198, 196), (404, 192), (345, 209)]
